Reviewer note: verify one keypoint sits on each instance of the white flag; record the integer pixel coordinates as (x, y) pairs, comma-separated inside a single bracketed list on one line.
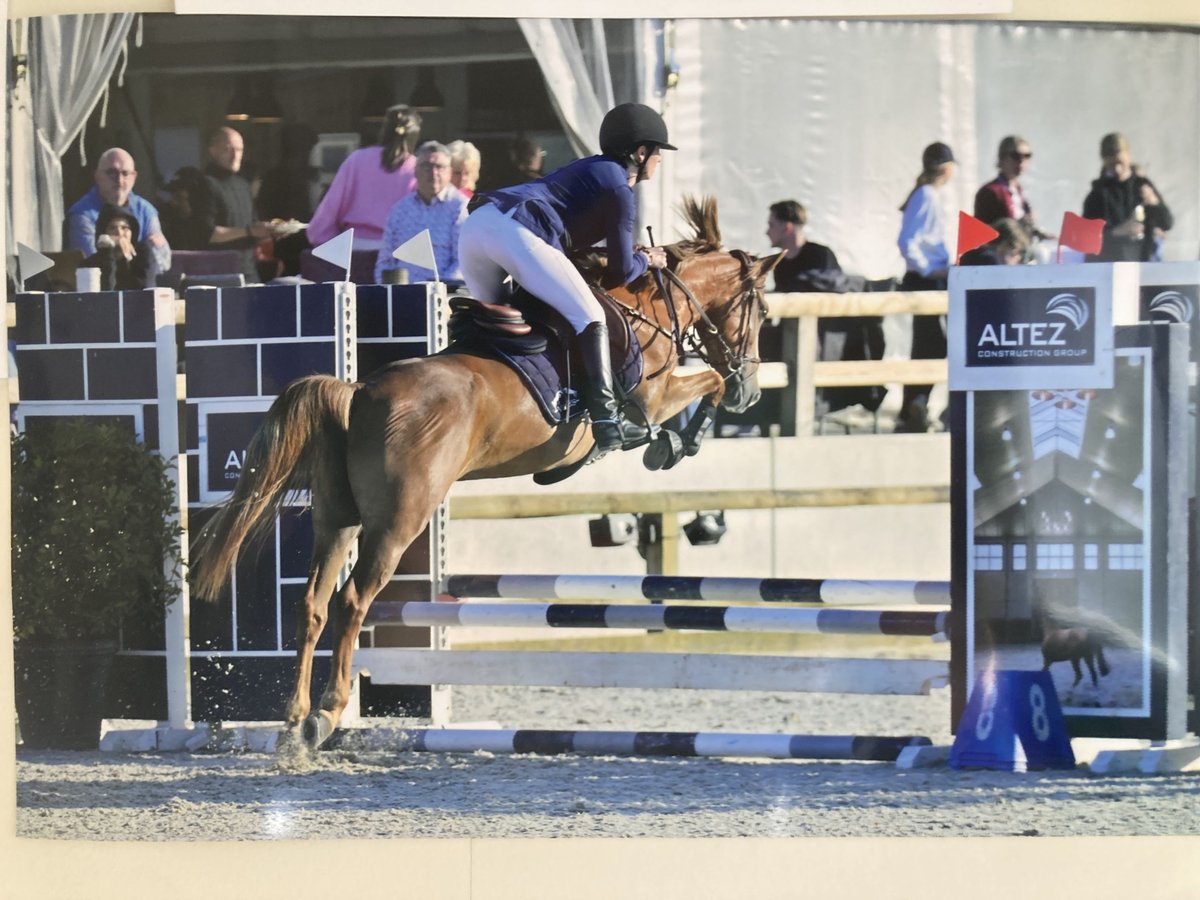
[(418, 250), (31, 262), (337, 250)]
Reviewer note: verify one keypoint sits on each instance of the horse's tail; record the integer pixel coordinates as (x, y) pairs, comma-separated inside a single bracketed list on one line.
[(304, 432)]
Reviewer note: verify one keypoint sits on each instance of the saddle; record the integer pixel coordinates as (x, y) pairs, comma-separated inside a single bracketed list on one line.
[(534, 339)]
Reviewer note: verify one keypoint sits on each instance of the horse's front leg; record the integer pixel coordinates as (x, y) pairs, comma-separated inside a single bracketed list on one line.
[(1078, 671), (669, 448)]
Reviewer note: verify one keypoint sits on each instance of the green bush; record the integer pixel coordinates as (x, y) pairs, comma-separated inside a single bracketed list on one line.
[(93, 529)]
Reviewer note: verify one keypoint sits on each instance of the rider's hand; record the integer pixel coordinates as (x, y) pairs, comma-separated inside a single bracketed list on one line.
[(656, 257)]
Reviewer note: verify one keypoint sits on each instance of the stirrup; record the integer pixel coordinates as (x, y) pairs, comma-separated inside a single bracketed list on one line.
[(619, 438)]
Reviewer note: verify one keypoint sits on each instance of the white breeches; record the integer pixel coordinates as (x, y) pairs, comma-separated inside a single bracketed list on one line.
[(491, 245)]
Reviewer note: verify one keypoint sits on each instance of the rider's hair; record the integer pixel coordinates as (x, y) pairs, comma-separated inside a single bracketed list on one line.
[(790, 211)]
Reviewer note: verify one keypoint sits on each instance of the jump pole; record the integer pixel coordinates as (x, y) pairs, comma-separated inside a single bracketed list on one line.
[(831, 591), (910, 623), (647, 743)]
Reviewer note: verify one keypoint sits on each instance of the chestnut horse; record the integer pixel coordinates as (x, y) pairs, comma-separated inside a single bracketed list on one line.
[(380, 456)]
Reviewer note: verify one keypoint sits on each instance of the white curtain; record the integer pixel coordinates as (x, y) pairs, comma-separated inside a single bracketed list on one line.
[(71, 59), (835, 115), (576, 72)]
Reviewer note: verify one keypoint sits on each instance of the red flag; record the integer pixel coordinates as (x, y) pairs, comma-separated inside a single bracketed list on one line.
[(973, 233), (1078, 233)]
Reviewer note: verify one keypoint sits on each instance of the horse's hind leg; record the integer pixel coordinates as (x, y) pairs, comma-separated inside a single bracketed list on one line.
[(379, 554), (330, 548), (1078, 671), (1091, 669)]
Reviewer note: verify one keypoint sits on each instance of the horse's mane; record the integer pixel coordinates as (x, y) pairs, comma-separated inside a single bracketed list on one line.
[(701, 215)]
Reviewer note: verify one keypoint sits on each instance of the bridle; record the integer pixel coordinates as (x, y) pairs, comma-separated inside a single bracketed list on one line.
[(688, 338)]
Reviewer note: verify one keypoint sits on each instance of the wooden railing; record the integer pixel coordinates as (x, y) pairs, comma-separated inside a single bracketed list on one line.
[(805, 375), (532, 506), (661, 548)]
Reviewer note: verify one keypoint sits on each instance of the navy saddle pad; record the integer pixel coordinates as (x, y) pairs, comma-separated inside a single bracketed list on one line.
[(546, 359)]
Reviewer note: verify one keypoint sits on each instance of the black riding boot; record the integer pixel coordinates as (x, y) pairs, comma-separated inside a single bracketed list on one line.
[(610, 430)]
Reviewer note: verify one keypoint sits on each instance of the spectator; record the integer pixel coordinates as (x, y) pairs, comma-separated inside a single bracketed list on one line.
[(926, 253), (1135, 217), (465, 163), (123, 261), (179, 221), (1007, 249), (527, 158), (369, 183), (1003, 196), (226, 208), (806, 265), (809, 266), (436, 205), (115, 177)]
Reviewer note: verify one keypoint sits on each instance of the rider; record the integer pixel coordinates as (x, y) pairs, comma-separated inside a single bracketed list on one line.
[(525, 230)]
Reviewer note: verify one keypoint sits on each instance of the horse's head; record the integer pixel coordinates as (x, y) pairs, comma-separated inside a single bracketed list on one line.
[(725, 295)]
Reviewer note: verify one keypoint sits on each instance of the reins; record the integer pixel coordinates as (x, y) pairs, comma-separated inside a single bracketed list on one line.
[(734, 360)]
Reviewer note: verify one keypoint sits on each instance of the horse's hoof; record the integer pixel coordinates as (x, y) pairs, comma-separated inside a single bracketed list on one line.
[(317, 729), (664, 452)]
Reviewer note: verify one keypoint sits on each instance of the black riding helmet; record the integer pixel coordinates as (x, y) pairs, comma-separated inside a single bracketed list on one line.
[(630, 125)]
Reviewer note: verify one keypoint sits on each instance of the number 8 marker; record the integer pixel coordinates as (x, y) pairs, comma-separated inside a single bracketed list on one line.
[(1040, 720)]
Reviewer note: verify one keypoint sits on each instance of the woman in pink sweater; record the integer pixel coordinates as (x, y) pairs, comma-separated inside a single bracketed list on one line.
[(369, 182)]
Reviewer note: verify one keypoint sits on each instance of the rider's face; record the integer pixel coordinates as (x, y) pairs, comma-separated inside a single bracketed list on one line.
[(652, 162)]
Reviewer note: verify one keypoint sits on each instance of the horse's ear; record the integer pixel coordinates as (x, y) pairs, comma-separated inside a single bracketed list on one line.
[(762, 267)]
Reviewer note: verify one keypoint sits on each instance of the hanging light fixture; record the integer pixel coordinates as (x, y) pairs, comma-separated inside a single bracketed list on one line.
[(253, 100), (379, 97), (266, 105), (425, 96), (240, 104)]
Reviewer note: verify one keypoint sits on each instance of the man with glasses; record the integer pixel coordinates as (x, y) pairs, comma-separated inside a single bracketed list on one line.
[(115, 177), (1003, 197), (436, 205)]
